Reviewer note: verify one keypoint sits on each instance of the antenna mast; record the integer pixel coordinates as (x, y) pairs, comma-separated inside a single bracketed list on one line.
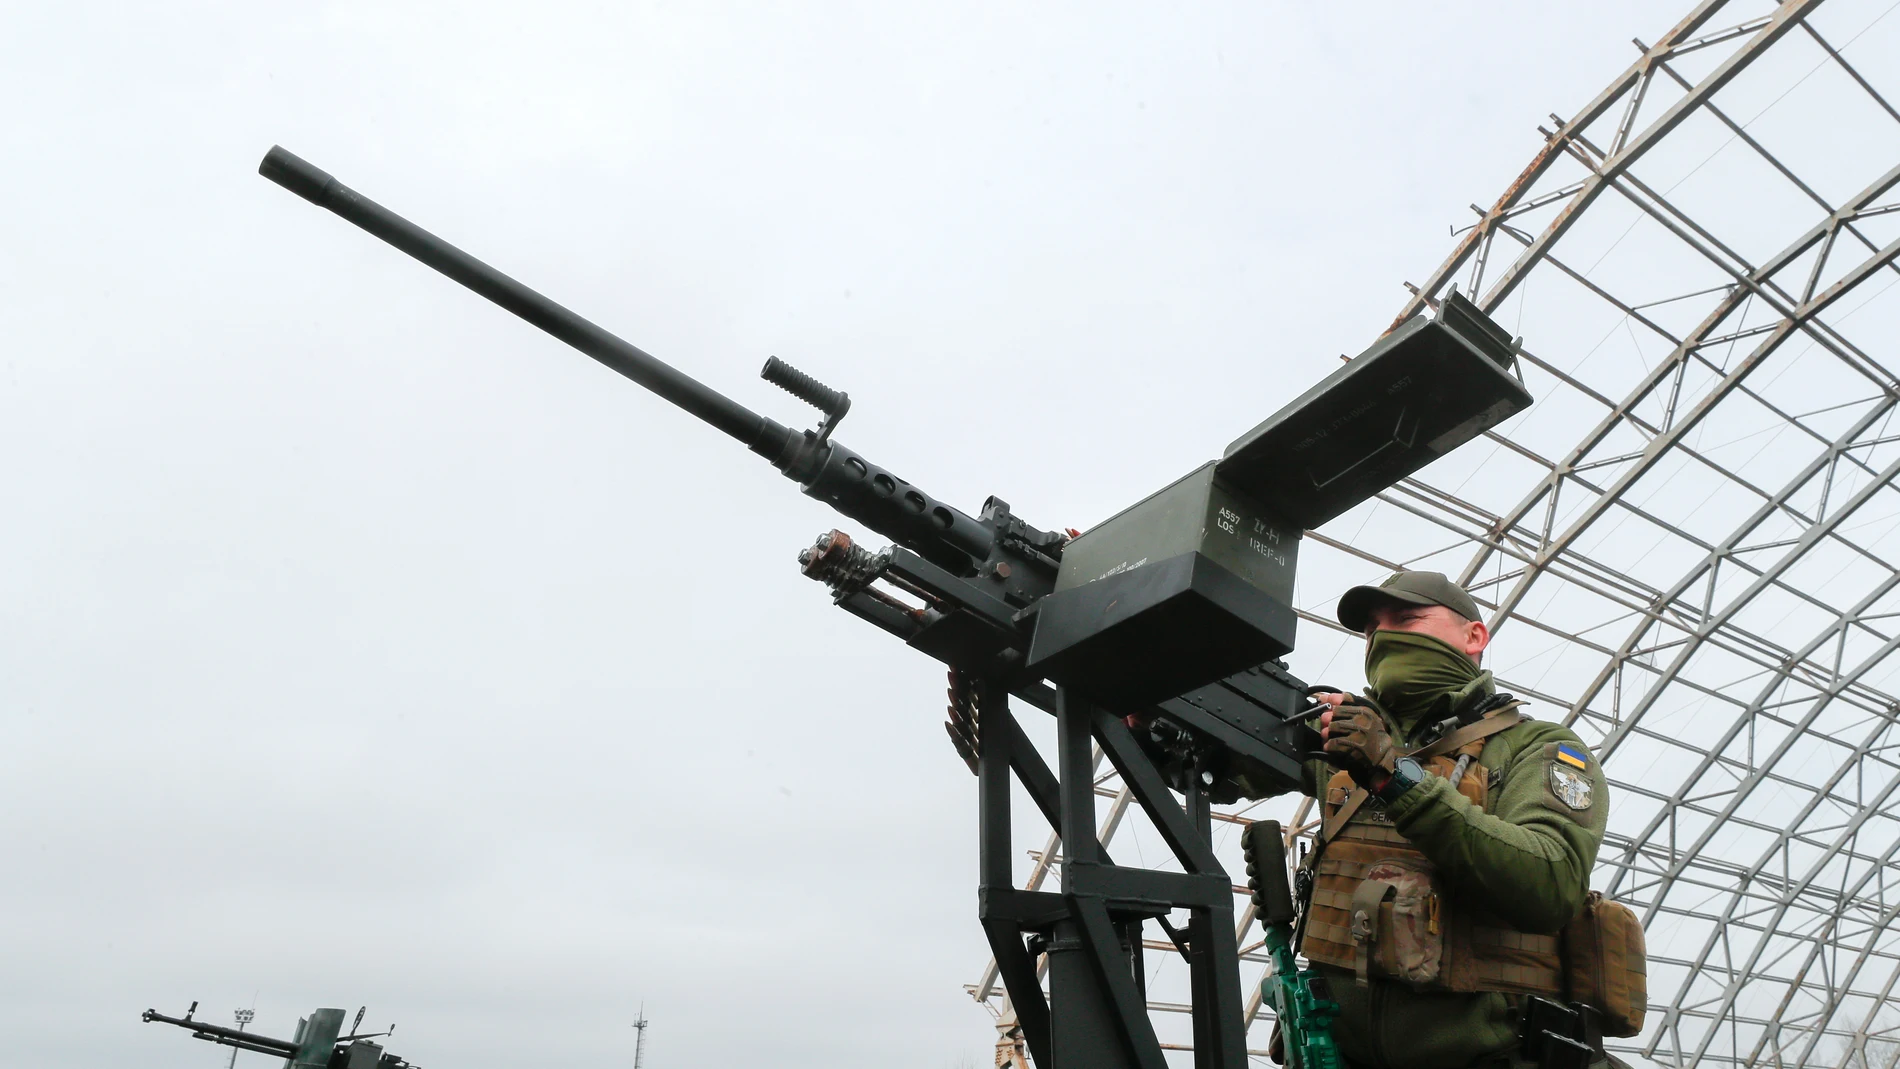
[(244, 1017), (640, 1041)]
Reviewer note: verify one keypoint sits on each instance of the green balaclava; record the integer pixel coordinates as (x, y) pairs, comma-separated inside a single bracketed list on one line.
[(1414, 676)]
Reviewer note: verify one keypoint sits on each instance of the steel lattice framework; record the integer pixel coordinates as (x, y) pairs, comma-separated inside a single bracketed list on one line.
[(1690, 546)]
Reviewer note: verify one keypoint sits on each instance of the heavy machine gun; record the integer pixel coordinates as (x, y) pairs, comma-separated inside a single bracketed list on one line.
[(1174, 611), (318, 1043)]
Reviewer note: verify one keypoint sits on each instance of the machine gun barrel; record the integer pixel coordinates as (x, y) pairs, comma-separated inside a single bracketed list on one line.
[(318, 187), (825, 469), (229, 1037)]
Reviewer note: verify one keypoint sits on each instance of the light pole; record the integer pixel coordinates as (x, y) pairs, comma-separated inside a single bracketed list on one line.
[(244, 1017)]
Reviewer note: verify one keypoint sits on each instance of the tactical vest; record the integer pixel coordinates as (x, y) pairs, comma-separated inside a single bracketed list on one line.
[(1380, 909)]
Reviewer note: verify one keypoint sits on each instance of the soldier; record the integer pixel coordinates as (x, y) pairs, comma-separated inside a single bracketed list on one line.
[(1457, 840)]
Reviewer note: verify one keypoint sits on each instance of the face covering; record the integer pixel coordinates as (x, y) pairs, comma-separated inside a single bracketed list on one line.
[(1413, 676)]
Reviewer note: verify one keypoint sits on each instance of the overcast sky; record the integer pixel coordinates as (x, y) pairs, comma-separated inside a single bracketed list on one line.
[(360, 644)]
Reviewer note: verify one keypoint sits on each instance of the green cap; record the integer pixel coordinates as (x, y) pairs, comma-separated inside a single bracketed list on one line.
[(1408, 588)]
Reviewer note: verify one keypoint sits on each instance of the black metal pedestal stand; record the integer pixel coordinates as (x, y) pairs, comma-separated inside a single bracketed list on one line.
[(1096, 1015)]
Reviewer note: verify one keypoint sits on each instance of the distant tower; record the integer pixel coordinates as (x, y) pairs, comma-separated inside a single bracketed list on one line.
[(244, 1017), (640, 1042)]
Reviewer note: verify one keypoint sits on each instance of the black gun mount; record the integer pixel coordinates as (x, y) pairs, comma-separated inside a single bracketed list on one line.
[(1173, 610)]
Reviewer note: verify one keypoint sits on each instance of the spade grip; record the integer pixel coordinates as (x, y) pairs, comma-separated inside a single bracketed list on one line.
[(1264, 849)]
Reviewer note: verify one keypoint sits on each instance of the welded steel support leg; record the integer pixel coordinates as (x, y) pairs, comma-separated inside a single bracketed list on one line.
[(994, 741), (1220, 1032), (1096, 1012), (1098, 1016), (1075, 767), (996, 888), (1084, 1030), (1213, 961)]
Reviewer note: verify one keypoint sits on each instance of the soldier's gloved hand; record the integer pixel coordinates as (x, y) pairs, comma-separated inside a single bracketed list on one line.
[(1357, 738)]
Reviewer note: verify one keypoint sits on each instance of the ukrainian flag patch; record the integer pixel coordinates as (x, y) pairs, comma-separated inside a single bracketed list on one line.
[(1572, 756)]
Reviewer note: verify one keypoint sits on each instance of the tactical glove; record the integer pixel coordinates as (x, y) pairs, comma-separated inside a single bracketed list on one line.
[(1358, 742)]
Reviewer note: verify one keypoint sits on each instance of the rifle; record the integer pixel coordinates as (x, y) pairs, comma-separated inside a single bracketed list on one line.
[(1302, 1000), (1174, 611)]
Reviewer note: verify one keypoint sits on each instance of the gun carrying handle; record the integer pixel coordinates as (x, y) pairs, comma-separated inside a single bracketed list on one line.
[(833, 403), (1264, 848)]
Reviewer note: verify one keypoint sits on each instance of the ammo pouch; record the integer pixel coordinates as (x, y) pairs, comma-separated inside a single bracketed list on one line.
[(1605, 965), (1396, 927)]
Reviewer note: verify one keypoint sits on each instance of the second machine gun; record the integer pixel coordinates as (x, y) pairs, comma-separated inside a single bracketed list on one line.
[(318, 1043), (1175, 611)]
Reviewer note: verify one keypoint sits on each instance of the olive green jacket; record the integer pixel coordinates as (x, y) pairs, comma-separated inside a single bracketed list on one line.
[(1527, 859)]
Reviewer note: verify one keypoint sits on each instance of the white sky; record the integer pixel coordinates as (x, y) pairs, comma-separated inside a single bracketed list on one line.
[(362, 645)]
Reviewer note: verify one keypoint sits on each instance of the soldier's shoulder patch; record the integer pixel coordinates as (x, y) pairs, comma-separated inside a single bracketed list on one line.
[(1569, 785), (1570, 776)]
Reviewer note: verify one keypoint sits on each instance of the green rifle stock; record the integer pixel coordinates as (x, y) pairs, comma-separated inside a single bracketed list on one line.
[(1302, 1000)]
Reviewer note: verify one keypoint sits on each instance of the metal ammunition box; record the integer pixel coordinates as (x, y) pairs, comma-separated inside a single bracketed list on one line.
[(1419, 392), (1195, 582), (1189, 585)]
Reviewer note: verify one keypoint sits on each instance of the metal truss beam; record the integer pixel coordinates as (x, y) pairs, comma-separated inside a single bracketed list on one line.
[(1758, 842)]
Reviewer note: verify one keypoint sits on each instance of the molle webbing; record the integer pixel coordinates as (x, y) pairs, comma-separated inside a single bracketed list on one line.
[(1504, 959), (1427, 938)]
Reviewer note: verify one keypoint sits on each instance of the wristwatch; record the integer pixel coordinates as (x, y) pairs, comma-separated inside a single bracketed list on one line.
[(1406, 774)]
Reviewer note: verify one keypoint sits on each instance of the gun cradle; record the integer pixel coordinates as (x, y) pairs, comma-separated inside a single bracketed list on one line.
[(967, 623)]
